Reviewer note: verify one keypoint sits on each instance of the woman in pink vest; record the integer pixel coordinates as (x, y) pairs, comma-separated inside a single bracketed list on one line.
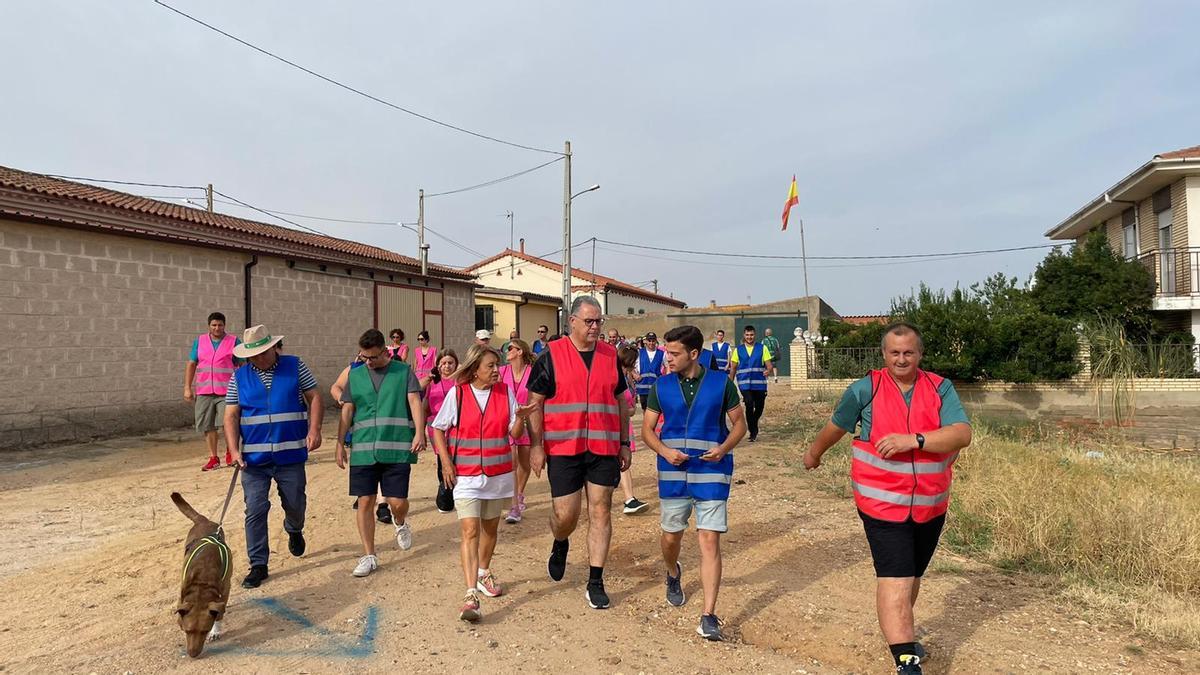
[(516, 377), (424, 359), (441, 382), (480, 416), (911, 426), (205, 379), (398, 348)]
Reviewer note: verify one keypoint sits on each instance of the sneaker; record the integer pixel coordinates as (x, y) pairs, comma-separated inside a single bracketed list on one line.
[(596, 597), (366, 565), (521, 504), (556, 566), (257, 575), (710, 628), (404, 537), (383, 514), (470, 609), (296, 543), (910, 664), (753, 439), (213, 463), (488, 585), (675, 596), (228, 458), (635, 505), (919, 650), (355, 504), (514, 516)]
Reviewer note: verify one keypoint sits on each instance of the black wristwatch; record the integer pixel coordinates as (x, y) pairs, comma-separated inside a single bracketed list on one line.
[(920, 441)]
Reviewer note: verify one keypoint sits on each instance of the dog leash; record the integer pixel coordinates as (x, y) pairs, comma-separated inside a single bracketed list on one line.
[(228, 495)]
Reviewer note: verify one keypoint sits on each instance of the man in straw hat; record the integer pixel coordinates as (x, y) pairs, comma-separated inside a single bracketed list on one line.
[(273, 405)]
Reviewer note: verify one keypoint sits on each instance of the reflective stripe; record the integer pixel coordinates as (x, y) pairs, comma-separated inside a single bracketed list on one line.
[(751, 380), (217, 370), (277, 417), (274, 447), (689, 444), (572, 434), (480, 443), (371, 446), (384, 422), (581, 407), (751, 370), (498, 459), (680, 476), (907, 468), (898, 498)]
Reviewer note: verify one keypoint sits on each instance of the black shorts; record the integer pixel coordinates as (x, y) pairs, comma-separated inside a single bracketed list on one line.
[(568, 473), (391, 479), (902, 549), (643, 398)]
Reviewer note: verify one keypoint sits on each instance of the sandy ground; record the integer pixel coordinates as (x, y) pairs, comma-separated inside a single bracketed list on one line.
[(92, 546)]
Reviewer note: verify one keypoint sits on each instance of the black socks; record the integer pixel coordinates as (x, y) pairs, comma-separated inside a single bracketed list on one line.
[(901, 648), (595, 573)]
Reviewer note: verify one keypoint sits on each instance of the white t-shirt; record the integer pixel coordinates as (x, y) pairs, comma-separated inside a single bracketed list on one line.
[(481, 486)]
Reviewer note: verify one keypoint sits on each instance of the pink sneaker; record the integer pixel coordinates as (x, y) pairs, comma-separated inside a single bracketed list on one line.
[(488, 585), (514, 515), (470, 609), (521, 504)]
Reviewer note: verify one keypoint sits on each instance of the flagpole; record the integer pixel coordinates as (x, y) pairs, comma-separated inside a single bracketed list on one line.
[(804, 257)]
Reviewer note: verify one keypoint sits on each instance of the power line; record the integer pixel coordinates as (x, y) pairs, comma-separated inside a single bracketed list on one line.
[(785, 267), (351, 89), (724, 254), (124, 182), (494, 181), (280, 218), (332, 220)]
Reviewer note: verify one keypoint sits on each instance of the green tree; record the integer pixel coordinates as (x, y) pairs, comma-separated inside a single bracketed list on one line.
[(955, 329), (1094, 281)]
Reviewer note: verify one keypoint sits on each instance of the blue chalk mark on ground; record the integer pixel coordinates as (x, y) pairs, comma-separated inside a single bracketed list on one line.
[(329, 643)]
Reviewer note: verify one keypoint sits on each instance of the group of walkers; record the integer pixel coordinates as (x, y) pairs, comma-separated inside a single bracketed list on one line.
[(564, 407)]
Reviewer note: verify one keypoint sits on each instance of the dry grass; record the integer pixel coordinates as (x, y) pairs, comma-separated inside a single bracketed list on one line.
[(1121, 531)]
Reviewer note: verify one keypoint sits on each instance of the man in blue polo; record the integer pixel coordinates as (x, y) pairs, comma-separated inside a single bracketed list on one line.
[(272, 405), (648, 367), (695, 464)]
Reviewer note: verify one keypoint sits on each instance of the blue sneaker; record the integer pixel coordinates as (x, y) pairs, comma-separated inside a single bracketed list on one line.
[(710, 628), (675, 596)]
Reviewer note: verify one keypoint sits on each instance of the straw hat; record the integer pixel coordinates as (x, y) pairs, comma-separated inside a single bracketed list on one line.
[(255, 340)]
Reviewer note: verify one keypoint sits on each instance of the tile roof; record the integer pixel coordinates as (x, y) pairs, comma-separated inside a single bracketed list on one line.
[(600, 281), (1182, 153), (81, 192)]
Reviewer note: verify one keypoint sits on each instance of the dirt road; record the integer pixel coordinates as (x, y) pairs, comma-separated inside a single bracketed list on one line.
[(90, 557)]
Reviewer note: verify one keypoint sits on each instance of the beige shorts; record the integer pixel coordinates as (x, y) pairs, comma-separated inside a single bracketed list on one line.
[(484, 509), (210, 412)]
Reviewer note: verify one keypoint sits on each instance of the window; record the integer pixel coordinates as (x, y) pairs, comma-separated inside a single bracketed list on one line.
[(485, 317), (1166, 257), (1129, 233), (630, 309), (641, 311)]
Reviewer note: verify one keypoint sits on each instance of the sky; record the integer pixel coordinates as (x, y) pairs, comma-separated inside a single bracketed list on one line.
[(911, 127)]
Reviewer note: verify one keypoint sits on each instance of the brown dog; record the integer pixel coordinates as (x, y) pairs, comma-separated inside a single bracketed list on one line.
[(206, 572)]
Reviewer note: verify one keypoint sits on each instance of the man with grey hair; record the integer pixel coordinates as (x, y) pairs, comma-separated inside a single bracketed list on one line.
[(911, 428), (578, 431)]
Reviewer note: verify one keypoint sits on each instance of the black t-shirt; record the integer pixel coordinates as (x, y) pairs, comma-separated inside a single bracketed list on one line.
[(541, 378)]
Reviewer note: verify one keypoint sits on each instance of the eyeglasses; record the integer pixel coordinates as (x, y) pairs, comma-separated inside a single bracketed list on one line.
[(590, 322), (395, 337), (541, 331), (422, 339), (377, 357)]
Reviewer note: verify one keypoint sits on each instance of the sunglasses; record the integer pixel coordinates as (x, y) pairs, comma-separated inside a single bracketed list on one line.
[(377, 357), (422, 339)]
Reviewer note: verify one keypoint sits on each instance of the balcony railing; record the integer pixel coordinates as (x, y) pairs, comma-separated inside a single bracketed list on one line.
[(1176, 271)]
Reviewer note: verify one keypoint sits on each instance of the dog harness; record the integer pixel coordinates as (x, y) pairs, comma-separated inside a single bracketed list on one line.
[(210, 540)]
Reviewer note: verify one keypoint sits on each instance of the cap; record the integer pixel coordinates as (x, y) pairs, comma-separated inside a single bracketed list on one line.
[(483, 334), (651, 336)]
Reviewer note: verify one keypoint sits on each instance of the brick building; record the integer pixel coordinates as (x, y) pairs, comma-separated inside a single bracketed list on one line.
[(102, 293)]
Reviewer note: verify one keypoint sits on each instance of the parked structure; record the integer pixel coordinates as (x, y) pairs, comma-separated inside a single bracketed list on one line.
[(1146, 217), (102, 293), (519, 271), (501, 310)]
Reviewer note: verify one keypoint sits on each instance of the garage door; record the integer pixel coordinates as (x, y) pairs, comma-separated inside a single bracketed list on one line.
[(410, 309), (782, 326)]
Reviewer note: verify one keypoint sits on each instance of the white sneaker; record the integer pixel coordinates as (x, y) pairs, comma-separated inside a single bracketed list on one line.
[(366, 565), (404, 537)]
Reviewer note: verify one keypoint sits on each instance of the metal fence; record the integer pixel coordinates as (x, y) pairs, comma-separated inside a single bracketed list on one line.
[(1166, 360), (840, 363), (1176, 271)]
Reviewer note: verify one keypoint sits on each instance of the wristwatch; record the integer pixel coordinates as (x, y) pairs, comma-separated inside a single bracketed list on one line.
[(920, 441)]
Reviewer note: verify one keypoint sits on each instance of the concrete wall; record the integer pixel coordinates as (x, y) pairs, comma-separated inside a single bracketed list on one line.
[(95, 328), (534, 278), (709, 320), (619, 304)]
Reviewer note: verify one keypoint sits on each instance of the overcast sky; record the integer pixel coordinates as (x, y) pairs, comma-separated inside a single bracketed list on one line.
[(911, 126)]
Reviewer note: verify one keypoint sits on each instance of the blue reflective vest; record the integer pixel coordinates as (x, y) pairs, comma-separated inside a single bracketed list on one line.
[(705, 358), (694, 430), (274, 421), (721, 352), (751, 372), (648, 369)]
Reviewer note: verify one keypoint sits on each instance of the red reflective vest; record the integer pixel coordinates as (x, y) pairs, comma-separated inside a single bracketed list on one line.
[(480, 443), (214, 367), (583, 414), (914, 484)]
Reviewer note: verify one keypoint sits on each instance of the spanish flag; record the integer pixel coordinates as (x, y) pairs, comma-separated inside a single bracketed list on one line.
[(793, 199)]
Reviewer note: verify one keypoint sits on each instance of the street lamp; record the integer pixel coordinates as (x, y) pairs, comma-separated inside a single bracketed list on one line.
[(567, 198)]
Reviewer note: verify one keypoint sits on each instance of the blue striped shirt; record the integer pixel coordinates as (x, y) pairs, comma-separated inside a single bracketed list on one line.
[(307, 381)]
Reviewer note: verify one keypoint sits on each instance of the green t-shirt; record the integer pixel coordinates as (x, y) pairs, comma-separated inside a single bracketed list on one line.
[(690, 387), (771, 343), (855, 407)]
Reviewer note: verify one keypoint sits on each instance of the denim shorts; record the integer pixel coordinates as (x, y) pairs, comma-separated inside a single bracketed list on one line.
[(711, 514)]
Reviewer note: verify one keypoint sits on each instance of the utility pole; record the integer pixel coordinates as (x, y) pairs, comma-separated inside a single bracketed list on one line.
[(422, 247), (566, 290), (208, 193), (512, 263), (594, 269), (655, 282), (804, 257)]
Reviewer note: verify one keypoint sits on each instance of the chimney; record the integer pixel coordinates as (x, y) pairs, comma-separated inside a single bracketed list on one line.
[(522, 244), (712, 304)]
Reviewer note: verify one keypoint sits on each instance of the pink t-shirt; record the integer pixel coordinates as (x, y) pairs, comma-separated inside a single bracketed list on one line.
[(520, 389), (437, 395)]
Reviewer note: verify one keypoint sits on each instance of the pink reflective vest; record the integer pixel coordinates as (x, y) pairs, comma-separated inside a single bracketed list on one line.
[(214, 367)]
